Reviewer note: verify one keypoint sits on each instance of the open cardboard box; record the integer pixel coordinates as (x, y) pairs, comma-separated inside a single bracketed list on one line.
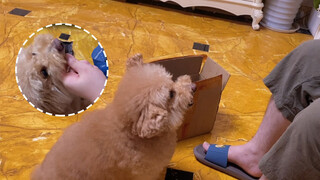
[(210, 80)]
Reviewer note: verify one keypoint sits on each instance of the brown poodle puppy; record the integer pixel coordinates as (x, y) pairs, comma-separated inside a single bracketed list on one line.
[(133, 138), (39, 69)]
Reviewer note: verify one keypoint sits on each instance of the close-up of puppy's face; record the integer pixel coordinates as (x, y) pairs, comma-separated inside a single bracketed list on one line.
[(46, 55), (157, 103), (40, 68)]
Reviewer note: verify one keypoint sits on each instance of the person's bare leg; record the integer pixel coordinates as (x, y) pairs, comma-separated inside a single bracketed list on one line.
[(247, 156)]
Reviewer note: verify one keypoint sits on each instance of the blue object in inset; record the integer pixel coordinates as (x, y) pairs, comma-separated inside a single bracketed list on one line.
[(99, 59)]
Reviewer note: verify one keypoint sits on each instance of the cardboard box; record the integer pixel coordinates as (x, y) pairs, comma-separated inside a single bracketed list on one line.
[(210, 80)]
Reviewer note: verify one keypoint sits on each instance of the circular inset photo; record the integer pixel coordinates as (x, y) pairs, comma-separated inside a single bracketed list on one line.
[(61, 69)]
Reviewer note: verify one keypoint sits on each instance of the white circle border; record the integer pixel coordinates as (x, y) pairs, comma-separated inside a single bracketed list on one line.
[(104, 53)]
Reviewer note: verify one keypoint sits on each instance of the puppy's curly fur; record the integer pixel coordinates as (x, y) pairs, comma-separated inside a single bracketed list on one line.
[(39, 69), (132, 138)]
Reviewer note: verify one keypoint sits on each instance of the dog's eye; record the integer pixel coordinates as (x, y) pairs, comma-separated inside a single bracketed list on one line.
[(44, 72), (172, 93), (33, 54)]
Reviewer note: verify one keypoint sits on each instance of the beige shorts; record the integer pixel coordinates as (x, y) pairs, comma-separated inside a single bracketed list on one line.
[(296, 155), (295, 86), (295, 81)]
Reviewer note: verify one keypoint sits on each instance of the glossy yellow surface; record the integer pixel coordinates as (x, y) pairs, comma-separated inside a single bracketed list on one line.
[(26, 134)]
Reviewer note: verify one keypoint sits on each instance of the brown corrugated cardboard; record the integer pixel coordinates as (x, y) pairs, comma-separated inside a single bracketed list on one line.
[(210, 80)]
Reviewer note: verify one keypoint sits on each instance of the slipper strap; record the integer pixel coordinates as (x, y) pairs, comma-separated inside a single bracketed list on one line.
[(218, 155)]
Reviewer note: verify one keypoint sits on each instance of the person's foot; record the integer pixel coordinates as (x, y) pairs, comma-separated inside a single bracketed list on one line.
[(244, 156)]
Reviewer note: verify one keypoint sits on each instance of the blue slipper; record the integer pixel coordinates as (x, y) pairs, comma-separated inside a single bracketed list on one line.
[(217, 158)]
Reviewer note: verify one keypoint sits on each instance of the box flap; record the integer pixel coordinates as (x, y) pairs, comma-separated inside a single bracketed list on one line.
[(212, 69), (179, 66), (200, 118)]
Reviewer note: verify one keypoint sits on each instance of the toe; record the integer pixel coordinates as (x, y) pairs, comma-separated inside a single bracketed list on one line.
[(205, 146)]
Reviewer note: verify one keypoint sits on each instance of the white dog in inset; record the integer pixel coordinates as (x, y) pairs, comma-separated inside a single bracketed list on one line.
[(39, 69)]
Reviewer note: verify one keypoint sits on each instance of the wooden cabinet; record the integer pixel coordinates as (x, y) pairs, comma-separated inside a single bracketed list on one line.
[(237, 7)]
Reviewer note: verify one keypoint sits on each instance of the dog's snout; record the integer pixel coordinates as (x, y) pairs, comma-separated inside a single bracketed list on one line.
[(193, 87), (58, 44), (190, 103)]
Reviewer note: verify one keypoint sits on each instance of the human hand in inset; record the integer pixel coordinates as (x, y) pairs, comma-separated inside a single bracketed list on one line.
[(83, 79)]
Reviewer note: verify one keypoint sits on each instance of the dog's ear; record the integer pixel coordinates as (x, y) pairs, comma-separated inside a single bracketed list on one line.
[(152, 121), (136, 60), (25, 55)]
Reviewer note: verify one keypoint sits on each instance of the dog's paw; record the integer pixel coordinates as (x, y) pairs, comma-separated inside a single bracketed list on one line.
[(135, 60)]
